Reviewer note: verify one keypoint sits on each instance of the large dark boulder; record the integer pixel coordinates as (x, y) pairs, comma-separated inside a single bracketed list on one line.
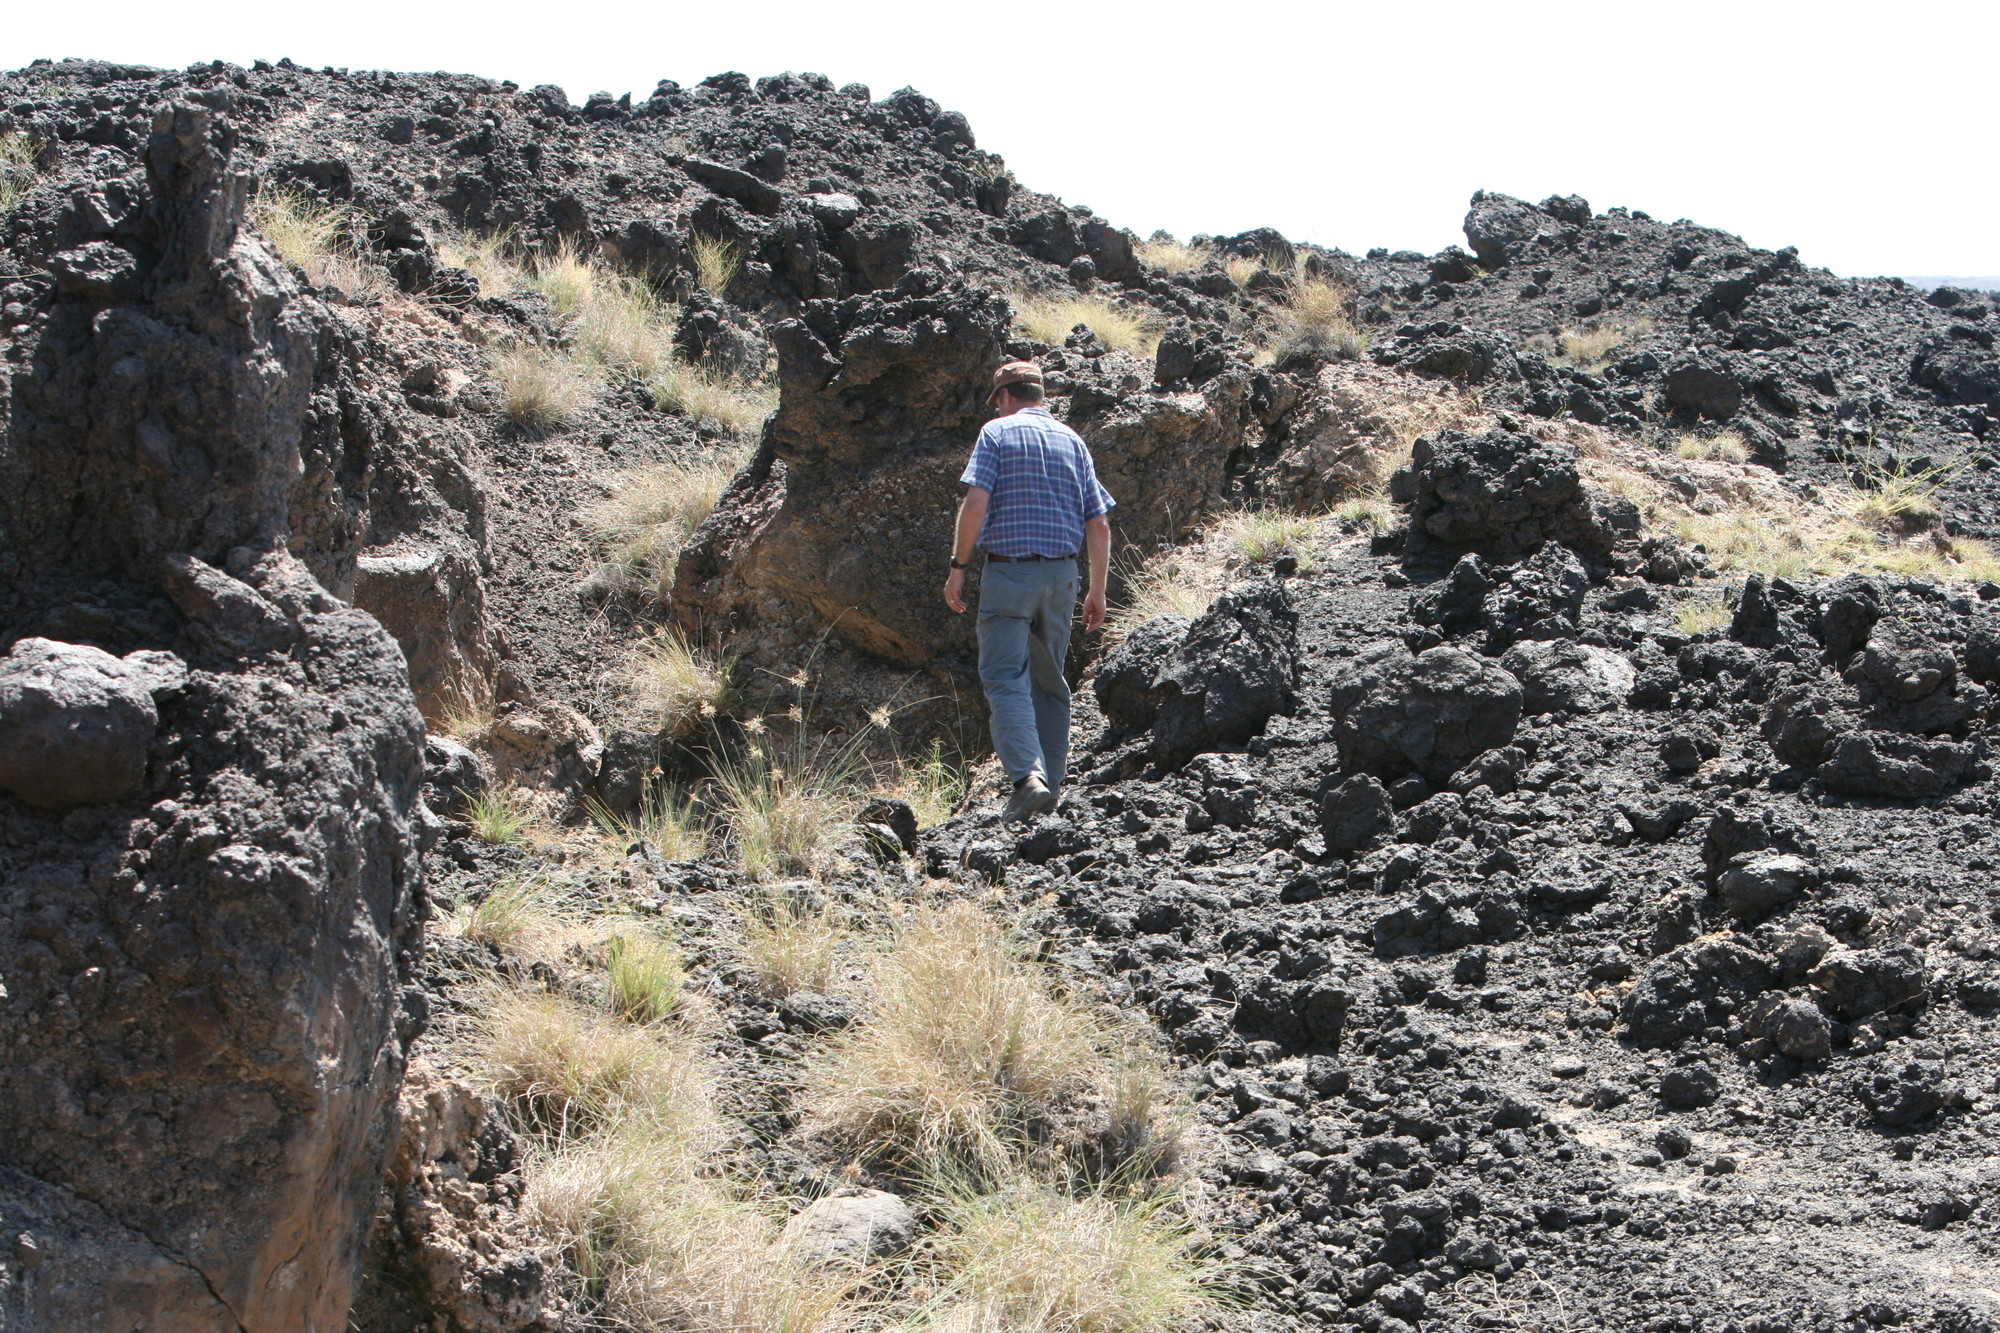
[(1396, 713), (1236, 668), (1961, 365), (1898, 767), (1684, 991), (1130, 684), (1503, 493), (1704, 385), (1501, 228)]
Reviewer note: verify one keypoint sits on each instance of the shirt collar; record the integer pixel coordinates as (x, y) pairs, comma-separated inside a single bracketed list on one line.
[(1034, 411)]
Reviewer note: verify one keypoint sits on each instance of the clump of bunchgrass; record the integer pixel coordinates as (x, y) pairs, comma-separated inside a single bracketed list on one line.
[(1725, 446), (785, 814), (510, 911), (1024, 1256), (737, 406), (571, 1072), (565, 277), (650, 514), (1696, 616), (966, 1045), (17, 169), (1261, 536), (665, 819), (1589, 348), (1168, 255), (1315, 320), (541, 388), (1175, 582), (500, 815), (932, 786), (1369, 514), (673, 687), (1242, 268), (619, 326), (715, 263), (789, 941), (644, 976), (316, 237), (1051, 319)]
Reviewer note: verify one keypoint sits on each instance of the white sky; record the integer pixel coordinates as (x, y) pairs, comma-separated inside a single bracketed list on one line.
[(1861, 134)]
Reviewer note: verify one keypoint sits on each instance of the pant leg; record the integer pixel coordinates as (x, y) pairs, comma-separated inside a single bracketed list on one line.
[(1047, 650), (1007, 611)]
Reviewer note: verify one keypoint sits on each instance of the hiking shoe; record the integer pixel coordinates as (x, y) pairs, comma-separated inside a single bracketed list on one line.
[(1031, 798)]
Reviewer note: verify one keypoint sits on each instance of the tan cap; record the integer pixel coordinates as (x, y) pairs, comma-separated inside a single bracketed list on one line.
[(1014, 372)]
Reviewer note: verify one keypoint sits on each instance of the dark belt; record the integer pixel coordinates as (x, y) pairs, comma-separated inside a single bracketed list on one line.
[(1024, 559)]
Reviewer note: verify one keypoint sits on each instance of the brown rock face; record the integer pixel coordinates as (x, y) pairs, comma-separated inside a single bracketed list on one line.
[(207, 960)]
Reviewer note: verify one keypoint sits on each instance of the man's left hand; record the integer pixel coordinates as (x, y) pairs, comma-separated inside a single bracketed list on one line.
[(1093, 609), (954, 590)]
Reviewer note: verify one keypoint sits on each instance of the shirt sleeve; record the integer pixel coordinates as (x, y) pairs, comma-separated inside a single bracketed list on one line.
[(982, 469)]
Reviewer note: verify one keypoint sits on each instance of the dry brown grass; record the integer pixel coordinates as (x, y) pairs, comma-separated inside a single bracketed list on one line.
[(17, 169), (672, 686), (574, 1073), (1315, 319), (786, 813), (664, 819), (1179, 581), (649, 516), (1589, 347), (1168, 255), (715, 263), (1242, 268), (966, 1044), (1722, 447), (1260, 536), (737, 407), (1051, 319), (541, 388), (317, 237), (789, 944)]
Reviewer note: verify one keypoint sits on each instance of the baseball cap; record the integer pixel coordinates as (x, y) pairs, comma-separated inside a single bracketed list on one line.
[(1014, 372)]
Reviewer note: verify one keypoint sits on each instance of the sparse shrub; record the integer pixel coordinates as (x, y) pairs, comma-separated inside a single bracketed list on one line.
[(1242, 268), (619, 326), (541, 388), (500, 815), (715, 263), (649, 516), (1371, 514), (565, 278), (1026, 1257), (1051, 319), (1168, 255), (1722, 447), (966, 1044), (664, 818), (17, 169), (1588, 348), (788, 943), (316, 237), (737, 406), (674, 686), (645, 977), (1315, 320)]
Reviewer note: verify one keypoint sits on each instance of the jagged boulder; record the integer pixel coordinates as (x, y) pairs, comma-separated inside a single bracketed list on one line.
[(1397, 713), (1236, 668), (1502, 493), (209, 981)]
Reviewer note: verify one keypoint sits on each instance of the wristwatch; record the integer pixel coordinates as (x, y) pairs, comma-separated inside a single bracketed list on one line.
[(960, 564)]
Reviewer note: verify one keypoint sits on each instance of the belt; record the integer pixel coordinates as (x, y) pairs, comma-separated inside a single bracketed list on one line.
[(1024, 559)]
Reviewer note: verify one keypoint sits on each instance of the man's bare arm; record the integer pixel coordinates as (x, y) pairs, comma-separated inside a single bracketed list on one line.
[(1097, 553), (971, 514)]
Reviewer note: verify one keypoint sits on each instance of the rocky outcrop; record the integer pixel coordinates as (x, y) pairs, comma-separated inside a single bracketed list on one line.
[(209, 956)]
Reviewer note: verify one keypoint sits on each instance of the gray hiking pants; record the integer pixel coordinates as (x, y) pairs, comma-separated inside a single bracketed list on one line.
[(1024, 616)]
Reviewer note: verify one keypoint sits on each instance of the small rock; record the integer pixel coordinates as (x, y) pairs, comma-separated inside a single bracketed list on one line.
[(851, 1228)]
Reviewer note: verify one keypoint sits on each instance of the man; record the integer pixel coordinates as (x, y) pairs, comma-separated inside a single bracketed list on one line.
[(1033, 502)]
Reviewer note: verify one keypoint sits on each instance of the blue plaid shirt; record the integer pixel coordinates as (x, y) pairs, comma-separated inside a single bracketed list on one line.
[(1043, 483)]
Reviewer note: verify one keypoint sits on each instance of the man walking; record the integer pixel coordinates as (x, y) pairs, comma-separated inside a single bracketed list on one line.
[(1033, 502)]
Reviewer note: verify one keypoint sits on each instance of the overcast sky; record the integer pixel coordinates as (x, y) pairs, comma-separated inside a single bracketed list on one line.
[(1860, 134)]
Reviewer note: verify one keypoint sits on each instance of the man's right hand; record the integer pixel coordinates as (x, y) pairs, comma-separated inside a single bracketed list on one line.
[(954, 590)]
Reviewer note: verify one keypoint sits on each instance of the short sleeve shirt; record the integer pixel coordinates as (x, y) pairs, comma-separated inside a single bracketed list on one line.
[(1043, 483)]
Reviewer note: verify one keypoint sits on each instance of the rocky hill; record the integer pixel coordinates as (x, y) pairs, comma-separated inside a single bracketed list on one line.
[(468, 573)]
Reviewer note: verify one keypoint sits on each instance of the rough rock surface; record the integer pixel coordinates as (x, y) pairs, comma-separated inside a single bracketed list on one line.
[(208, 959), (853, 1227)]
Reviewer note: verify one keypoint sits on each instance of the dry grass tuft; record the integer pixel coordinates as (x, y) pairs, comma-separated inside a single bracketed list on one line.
[(664, 819), (1370, 514), (650, 515), (500, 815), (1588, 348), (645, 977), (17, 169), (932, 786), (785, 815), (1029, 1258), (1316, 321), (1242, 268), (316, 237), (571, 1072), (737, 407), (512, 911), (1722, 447), (1261, 536), (541, 388), (674, 687), (789, 943), (1180, 581), (966, 1046), (1051, 319), (566, 278), (1168, 255), (619, 325), (715, 263)]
